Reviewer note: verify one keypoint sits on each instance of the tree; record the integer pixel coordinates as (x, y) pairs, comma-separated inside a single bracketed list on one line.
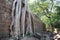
[(19, 12), (47, 11)]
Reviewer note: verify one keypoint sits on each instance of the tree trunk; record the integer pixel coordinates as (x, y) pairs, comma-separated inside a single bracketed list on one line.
[(16, 18), (19, 24), (12, 23)]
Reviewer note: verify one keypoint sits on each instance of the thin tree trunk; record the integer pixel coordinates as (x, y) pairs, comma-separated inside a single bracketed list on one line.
[(12, 23), (29, 23), (23, 21), (20, 4), (23, 17), (17, 19)]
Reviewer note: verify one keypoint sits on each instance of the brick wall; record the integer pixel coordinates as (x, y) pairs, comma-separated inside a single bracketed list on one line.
[(5, 15), (5, 18)]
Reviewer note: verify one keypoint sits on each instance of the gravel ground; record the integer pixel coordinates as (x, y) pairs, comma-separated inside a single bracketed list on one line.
[(29, 38), (25, 38)]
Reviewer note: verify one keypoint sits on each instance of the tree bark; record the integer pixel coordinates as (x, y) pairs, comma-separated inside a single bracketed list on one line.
[(16, 9), (12, 23)]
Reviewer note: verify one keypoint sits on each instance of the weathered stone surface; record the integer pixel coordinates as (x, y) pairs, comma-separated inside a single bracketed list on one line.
[(29, 38), (5, 18)]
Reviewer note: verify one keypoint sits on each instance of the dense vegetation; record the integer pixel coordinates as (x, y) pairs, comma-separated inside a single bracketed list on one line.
[(48, 11)]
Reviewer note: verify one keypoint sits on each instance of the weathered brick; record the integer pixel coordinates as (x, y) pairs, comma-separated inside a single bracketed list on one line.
[(5, 11)]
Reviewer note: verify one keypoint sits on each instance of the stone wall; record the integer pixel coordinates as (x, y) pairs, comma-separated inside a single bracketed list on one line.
[(5, 17), (38, 25)]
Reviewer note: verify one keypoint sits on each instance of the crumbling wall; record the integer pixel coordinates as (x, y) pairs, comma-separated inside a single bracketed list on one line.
[(5, 17), (38, 25)]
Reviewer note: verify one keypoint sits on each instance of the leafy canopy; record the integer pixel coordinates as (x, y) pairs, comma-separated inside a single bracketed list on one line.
[(47, 10)]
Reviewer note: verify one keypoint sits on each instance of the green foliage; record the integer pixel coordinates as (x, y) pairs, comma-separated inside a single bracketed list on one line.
[(48, 11)]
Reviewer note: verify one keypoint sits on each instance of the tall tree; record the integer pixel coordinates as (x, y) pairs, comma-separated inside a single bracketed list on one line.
[(18, 25), (46, 10)]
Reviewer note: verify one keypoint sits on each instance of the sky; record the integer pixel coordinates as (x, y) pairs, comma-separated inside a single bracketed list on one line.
[(31, 1), (55, 1)]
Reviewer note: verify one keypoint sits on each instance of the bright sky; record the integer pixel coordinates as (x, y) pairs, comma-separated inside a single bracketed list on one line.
[(55, 1), (31, 1)]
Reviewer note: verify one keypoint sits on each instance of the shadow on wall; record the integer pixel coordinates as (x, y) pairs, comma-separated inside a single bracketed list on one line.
[(4, 35)]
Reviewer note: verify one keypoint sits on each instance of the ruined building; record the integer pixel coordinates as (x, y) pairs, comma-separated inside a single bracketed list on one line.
[(28, 24)]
